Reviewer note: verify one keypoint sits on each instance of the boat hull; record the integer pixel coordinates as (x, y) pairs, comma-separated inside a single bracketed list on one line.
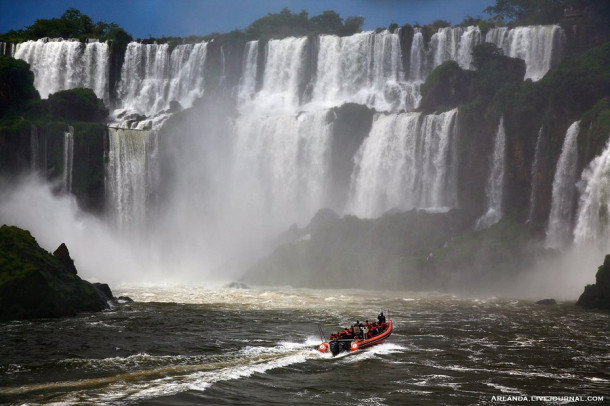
[(338, 346)]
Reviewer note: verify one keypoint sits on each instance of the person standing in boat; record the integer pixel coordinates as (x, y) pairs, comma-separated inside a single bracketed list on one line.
[(357, 329), (365, 330), (381, 318)]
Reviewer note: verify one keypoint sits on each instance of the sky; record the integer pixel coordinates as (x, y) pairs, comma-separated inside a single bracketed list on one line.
[(157, 18)]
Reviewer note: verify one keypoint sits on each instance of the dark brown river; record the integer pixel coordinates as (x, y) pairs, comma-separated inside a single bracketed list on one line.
[(192, 345)]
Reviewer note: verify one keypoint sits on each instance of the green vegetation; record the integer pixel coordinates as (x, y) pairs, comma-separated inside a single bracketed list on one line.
[(448, 85), (594, 130), (592, 16), (22, 114), (19, 99), (445, 87), (491, 257), (16, 86), (281, 25), (526, 12), (76, 105), (71, 24), (34, 283), (558, 99), (350, 252)]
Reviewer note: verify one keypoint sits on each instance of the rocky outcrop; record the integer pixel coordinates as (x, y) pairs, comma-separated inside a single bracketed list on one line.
[(597, 296), (388, 252), (63, 255), (35, 283)]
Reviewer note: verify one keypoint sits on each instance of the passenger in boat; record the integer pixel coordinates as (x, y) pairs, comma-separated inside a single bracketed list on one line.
[(381, 318), (365, 330)]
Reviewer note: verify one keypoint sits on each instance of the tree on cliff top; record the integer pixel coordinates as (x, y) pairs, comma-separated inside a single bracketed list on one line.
[(526, 12), (286, 23), (529, 11), (76, 105), (71, 24), (16, 85)]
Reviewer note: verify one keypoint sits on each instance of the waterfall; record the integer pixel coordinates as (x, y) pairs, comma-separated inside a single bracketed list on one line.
[(562, 203), (495, 184), (152, 76), (283, 75), (406, 161), (594, 203), (247, 83), (131, 171), (61, 65), (38, 151), (418, 57), (281, 165), (454, 43), (364, 68), (68, 159), (540, 46), (534, 176)]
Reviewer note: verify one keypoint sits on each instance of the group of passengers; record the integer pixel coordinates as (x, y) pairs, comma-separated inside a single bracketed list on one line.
[(362, 330)]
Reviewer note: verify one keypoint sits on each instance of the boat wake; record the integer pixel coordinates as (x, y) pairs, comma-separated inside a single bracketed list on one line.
[(170, 376)]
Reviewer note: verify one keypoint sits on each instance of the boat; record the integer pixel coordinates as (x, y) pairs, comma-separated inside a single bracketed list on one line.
[(338, 343)]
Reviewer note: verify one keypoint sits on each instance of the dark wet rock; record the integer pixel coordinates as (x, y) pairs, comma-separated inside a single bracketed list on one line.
[(597, 296), (238, 285), (175, 106), (104, 289), (63, 255), (124, 299), (547, 302), (35, 283)]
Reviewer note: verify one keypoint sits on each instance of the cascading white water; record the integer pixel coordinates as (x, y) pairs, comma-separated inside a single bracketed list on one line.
[(281, 155), (417, 57), (454, 43), (247, 83), (364, 68), (540, 46), (494, 190), (68, 160), (61, 65), (281, 165), (534, 177), (152, 76), (593, 216), (130, 176), (558, 232), (38, 151), (406, 161), (283, 75)]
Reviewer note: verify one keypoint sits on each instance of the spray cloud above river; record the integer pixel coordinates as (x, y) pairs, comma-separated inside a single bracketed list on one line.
[(214, 150)]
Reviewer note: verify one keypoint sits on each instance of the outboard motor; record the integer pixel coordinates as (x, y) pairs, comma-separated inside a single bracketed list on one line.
[(335, 347)]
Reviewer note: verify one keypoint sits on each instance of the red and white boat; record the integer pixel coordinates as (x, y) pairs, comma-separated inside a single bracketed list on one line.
[(339, 343)]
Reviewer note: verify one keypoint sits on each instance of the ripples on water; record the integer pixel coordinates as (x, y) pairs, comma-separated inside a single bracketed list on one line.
[(188, 345)]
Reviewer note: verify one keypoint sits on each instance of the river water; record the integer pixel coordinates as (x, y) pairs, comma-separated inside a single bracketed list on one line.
[(195, 345)]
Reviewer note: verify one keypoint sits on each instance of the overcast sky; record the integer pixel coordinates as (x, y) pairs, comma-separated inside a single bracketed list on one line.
[(142, 18)]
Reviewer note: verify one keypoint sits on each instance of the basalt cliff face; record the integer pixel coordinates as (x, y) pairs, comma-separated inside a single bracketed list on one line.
[(247, 138)]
